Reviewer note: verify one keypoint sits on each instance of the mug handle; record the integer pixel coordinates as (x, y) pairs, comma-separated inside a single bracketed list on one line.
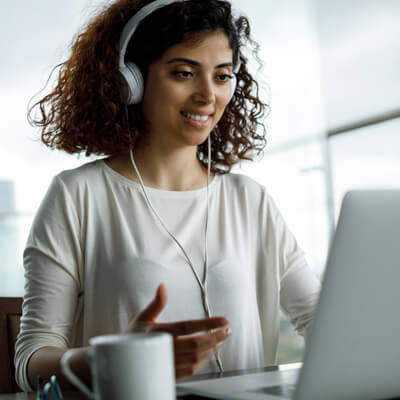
[(85, 354)]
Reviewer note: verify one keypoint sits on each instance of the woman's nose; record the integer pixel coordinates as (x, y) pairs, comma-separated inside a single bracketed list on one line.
[(205, 91)]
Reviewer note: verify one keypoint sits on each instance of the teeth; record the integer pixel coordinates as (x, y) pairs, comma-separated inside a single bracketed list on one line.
[(201, 118)]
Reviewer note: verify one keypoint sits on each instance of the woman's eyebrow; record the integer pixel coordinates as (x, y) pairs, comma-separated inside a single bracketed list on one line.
[(196, 63)]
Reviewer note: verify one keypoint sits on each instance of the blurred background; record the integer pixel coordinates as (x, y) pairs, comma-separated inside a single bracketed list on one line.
[(331, 75)]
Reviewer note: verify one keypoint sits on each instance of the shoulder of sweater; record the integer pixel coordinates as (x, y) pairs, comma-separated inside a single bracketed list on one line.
[(242, 185), (245, 183), (81, 175)]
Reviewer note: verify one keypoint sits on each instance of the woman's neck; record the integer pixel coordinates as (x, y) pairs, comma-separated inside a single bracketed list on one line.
[(177, 169)]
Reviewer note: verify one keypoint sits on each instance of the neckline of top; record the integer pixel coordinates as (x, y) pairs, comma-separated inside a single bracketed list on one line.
[(156, 191)]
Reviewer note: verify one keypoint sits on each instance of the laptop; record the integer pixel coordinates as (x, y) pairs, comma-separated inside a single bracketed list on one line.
[(353, 346)]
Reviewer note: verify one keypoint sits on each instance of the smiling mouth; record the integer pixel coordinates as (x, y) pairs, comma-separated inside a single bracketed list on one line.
[(195, 117)]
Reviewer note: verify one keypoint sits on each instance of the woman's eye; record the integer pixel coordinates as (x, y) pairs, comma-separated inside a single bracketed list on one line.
[(224, 77), (183, 74)]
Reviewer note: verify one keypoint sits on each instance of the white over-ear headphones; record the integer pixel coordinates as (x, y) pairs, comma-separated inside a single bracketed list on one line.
[(133, 78)]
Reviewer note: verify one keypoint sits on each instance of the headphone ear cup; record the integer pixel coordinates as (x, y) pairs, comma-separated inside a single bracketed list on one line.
[(134, 83), (233, 86)]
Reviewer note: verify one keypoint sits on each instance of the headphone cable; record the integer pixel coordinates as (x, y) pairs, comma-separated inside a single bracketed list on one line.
[(203, 284)]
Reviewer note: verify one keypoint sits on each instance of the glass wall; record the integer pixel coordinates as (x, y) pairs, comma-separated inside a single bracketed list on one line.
[(34, 37), (366, 158)]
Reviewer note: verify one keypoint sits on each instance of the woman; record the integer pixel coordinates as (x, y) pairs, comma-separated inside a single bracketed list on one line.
[(161, 215)]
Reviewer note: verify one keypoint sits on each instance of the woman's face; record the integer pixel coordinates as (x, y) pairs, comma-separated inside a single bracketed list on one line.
[(187, 91)]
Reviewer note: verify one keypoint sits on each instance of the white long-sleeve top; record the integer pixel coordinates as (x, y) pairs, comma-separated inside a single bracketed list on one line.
[(96, 254)]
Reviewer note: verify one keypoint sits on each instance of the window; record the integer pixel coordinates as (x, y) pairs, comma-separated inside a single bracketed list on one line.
[(366, 158)]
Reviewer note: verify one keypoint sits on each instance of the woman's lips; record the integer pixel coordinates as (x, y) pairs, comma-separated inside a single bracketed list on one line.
[(197, 123)]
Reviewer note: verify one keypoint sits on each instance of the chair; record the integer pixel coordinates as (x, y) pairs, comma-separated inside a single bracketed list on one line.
[(10, 314)]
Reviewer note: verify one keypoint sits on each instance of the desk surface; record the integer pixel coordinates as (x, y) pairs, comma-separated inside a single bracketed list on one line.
[(74, 395), (70, 396)]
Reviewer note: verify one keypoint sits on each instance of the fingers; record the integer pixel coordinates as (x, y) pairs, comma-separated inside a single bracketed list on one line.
[(192, 352), (187, 370), (187, 359), (152, 311), (189, 327), (199, 343)]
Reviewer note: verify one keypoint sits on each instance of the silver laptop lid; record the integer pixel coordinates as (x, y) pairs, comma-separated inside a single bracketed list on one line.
[(353, 349)]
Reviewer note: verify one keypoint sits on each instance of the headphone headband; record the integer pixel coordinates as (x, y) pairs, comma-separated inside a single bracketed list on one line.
[(134, 22)]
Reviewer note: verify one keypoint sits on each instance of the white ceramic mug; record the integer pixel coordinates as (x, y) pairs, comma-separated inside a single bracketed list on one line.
[(127, 367)]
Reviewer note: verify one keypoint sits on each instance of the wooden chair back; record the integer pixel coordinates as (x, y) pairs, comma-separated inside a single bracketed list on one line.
[(10, 315)]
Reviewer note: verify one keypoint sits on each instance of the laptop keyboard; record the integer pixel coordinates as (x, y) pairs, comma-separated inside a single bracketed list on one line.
[(281, 390)]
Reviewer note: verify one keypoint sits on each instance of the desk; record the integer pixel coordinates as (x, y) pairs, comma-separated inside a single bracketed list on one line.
[(68, 395), (73, 395)]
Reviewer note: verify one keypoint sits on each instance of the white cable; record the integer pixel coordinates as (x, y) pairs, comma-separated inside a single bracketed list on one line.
[(204, 283), (208, 206), (217, 358), (161, 222)]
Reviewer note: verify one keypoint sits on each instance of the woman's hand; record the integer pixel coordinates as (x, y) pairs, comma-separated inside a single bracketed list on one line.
[(191, 352)]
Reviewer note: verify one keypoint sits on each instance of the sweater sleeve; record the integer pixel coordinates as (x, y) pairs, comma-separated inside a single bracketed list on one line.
[(52, 263), (299, 285)]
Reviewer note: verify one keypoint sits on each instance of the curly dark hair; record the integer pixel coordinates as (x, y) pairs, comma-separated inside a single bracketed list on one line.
[(86, 112)]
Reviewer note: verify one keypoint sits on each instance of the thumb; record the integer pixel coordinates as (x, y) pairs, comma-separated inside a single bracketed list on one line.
[(153, 310)]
